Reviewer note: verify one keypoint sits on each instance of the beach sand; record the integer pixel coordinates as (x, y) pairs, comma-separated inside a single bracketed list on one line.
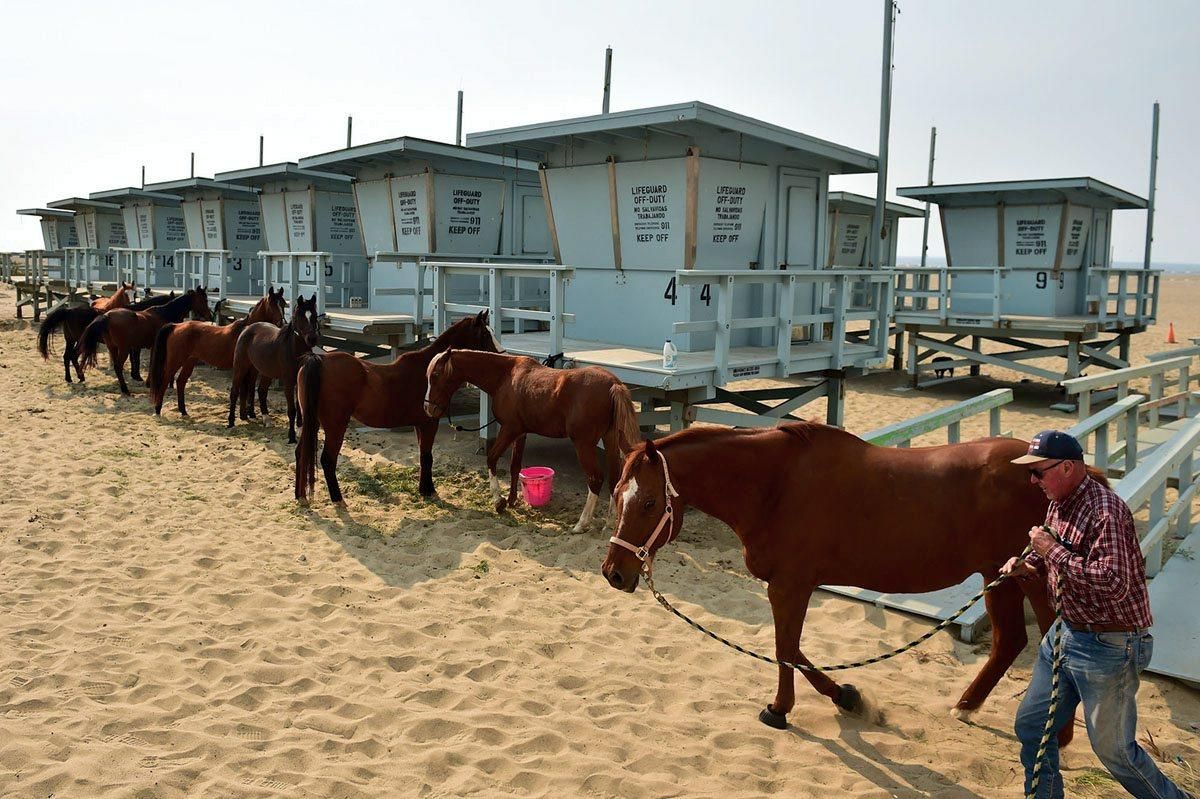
[(172, 624)]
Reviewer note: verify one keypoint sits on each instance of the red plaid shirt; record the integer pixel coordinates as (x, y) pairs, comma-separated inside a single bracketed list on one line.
[(1099, 561)]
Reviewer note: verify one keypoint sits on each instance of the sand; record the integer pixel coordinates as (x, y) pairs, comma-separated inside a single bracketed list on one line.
[(171, 624)]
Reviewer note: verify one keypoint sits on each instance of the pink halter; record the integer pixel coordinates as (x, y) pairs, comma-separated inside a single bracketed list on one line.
[(643, 552)]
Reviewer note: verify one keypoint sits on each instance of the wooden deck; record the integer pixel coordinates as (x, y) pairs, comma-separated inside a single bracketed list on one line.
[(1013, 324), (637, 366), (347, 328)]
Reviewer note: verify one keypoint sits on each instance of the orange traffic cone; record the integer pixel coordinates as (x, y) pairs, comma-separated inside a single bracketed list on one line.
[(1171, 333)]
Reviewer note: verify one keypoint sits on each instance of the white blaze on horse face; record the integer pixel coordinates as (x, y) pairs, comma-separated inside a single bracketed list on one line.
[(495, 340), (631, 489), (589, 509), (429, 372)]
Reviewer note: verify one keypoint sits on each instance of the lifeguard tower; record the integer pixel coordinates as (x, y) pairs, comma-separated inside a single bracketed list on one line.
[(154, 230), (1028, 268), (692, 223), (90, 265), (422, 201), (849, 229), (313, 245), (45, 277), (224, 236), (849, 232)]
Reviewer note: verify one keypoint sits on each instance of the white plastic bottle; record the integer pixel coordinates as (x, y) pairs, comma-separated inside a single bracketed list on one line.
[(670, 355)]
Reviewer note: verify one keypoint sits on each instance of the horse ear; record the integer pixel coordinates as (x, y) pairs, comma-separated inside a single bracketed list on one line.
[(651, 450), (481, 318)]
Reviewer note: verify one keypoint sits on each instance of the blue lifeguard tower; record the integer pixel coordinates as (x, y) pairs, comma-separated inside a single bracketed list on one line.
[(422, 202), (154, 229), (44, 275), (90, 265), (1029, 268), (224, 236), (692, 223)]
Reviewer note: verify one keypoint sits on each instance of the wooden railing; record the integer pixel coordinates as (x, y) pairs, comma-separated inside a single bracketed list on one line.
[(836, 284), (902, 433)]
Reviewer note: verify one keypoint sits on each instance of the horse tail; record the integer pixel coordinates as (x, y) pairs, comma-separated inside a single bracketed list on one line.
[(1097, 475), (624, 417), (157, 378), (308, 396), (89, 342), (53, 320)]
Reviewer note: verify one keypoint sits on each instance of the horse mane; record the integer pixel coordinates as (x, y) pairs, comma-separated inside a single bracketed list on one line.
[(151, 302), (173, 306)]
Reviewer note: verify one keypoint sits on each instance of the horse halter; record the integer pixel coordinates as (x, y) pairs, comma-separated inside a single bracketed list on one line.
[(643, 553)]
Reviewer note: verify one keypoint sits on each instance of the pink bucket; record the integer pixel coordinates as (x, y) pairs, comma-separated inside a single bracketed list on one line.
[(537, 482)]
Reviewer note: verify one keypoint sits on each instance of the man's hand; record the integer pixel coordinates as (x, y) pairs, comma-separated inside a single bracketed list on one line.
[(1041, 540), (1018, 568)]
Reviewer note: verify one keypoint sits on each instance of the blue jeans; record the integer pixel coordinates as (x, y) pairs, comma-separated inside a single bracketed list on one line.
[(1101, 670)]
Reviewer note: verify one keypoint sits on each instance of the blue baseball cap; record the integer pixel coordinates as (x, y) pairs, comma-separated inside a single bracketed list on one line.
[(1052, 445)]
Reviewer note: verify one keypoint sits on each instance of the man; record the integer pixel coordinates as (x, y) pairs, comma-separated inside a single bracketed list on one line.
[(1093, 553)]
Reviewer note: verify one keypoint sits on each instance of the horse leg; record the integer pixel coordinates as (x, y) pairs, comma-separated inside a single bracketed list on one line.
[(1006, 609), (185, 372), (246, 395), (135, 363), (612, 454), (289, 391), (585, 451), (118, 364), (514, 469), (506, 436), (335, 434), (235, 386), (67, 363), (425, 434), (789, 604), (264, 383), (73, 353)]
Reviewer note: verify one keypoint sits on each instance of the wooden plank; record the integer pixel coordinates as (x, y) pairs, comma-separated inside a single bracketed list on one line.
[(612, 211), (549, 212), (693, 204)]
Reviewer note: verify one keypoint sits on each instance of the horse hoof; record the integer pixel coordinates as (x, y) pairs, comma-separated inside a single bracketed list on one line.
[(849, 699), (772, 719), (302, 502), (501, 504), (962, 714)]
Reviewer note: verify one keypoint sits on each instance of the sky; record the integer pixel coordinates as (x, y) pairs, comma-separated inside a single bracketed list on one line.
[(1017, 90)]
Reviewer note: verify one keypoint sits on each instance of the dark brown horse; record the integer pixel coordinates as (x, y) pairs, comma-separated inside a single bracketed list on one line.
[(127, 332), (336, 387), (74, 318), (815, 505), (178, 347), (266, 352), (586, 405)]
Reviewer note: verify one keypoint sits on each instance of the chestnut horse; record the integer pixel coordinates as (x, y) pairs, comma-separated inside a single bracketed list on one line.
[(816, 505), (74, 318), (265, 351), (127, 332), (178, 347), (335, 387), (586, 405)]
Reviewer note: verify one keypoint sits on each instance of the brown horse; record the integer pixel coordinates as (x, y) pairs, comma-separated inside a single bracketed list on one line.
[(74, 318), (336, 387), (586, 405), (180, 346), (816, 505), (127, 332), (268, 352)]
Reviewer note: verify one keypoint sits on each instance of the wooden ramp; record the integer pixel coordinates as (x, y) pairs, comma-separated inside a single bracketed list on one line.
[(1173, 595), (938, 605)]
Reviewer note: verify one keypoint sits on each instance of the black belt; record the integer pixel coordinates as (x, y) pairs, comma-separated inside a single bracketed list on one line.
[(1104, 628)]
